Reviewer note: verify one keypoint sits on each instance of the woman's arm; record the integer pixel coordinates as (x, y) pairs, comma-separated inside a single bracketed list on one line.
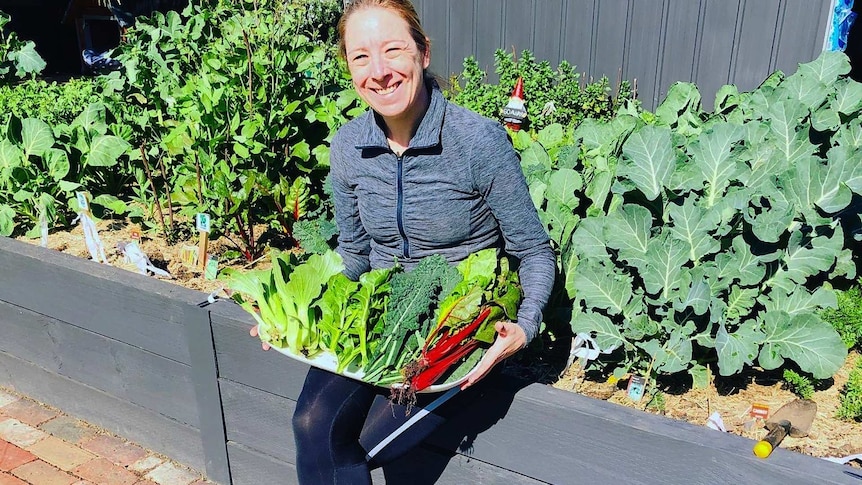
[(498, 175), (354, 243)]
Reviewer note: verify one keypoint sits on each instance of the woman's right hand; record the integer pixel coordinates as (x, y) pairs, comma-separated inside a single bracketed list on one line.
[(253, 333)]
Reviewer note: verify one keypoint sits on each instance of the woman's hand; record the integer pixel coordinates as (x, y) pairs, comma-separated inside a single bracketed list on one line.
[(510, 339), (253, 333)]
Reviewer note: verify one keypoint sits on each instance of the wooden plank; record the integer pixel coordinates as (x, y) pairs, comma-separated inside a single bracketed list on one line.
[(650, 448), (712, 65), (145, 427), (207, 396), (435, 21), (680, 43), (578, 34), (241, 359), (610, 44), (461, 36), (258, 420), (250, 467), (800, 38), (488, 35), (756, 43), (548, 29), (125, 306), (425, 466), (644, 49), (517, 26), (116, 368)]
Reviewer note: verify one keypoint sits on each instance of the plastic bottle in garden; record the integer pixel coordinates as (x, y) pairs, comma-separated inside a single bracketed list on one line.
[(514, 113)]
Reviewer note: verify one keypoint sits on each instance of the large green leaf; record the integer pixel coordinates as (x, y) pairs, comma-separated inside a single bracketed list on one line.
[(710, 153), (805, 339), (813, 184), (693, 226), (601, 288), (802, 260), (607, 334), (848, 96), (740, 264), (563, 185), (649, 159), (628, 229), (10, 156), (7, 220), (800, 300), (588, 239), (27, 60), (826, 68), (784, 123), (672, 356), (738, 349), (36, 137), (666, 258), (58, 163), (105, 151)]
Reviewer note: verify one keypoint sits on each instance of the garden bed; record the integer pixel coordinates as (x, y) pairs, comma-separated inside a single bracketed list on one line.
[(731, 397)]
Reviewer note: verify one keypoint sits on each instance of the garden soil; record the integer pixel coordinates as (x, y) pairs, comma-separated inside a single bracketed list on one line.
[(732, 398)]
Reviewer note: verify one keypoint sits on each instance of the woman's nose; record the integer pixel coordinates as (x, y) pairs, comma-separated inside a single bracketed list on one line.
[(379, 67)]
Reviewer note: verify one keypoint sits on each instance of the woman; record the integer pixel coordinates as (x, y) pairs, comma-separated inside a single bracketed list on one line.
[(414, 176)]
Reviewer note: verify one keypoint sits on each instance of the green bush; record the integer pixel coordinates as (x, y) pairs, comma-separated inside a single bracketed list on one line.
[(798, 384), (851, 395), (847, 318), (52, 102), (544, 87)]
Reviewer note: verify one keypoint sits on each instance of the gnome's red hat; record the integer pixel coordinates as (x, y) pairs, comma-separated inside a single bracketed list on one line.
[(518, 92)]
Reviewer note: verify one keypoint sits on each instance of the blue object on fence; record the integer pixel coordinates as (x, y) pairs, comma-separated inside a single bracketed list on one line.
[(842, 18)]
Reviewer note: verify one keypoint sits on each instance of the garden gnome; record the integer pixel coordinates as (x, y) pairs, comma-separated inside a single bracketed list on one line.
[(515, 114)]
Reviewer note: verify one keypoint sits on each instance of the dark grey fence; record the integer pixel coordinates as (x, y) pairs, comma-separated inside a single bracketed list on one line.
[(655, 42), (138, 357)]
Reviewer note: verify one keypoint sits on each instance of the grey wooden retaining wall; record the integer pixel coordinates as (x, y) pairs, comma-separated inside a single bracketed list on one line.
[(655, 42), (138, 357)]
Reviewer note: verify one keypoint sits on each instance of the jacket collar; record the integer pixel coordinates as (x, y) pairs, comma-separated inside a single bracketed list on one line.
[(427, 135)]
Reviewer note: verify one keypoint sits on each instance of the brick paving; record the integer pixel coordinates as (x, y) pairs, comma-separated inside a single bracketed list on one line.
[(39, 445)]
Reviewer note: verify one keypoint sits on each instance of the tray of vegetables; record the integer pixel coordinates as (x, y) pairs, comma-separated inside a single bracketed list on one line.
[(421, 330)]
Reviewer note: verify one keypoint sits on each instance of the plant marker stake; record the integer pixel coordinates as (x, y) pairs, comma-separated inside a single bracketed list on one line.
[(410, 422), (202, 221)]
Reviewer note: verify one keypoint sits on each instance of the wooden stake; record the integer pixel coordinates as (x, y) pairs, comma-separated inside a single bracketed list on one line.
[(203, 246)]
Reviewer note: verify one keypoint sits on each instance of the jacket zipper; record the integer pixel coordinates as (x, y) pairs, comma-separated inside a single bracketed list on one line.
[(399, 205)]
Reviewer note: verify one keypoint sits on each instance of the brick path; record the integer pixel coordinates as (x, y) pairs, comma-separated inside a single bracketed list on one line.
[(39, 445)]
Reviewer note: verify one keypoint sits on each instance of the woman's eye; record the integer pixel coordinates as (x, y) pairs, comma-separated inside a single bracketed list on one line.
[(393, 51)]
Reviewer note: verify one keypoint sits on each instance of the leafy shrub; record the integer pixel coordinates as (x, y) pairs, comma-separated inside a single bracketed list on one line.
[(847, 318), (851, 395), (683, 235), (798, 384), (52, 102), (239, 100), (18, 59), (543, 87)]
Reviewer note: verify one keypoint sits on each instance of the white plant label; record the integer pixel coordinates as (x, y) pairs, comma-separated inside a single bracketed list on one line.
[(202, 221)]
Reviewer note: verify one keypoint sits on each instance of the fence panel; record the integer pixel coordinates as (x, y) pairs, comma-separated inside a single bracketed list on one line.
[(652, 42)]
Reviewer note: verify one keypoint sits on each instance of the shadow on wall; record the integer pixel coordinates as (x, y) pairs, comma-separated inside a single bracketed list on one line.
[(854, 44)]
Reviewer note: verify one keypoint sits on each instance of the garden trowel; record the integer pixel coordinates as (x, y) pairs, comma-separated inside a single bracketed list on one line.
[(794, 419)]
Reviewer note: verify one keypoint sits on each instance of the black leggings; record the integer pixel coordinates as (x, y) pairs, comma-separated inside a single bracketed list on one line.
[(338, 420)]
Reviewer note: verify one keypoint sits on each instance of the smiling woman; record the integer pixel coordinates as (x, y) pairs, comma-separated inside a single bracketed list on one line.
[(415, 176)]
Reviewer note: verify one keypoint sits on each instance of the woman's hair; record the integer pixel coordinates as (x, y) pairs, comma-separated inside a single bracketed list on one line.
[(403, 8)]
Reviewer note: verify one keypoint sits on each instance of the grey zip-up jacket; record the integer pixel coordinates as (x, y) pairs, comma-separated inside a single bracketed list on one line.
[(457, 189)]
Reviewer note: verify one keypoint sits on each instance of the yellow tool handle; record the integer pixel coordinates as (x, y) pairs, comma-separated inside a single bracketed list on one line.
[(764, 447)]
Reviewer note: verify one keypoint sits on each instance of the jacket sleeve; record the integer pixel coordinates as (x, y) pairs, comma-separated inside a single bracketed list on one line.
[(498, 176), (354, 243)]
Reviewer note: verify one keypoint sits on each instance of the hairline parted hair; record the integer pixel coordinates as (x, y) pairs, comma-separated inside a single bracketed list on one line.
[(403, 8)]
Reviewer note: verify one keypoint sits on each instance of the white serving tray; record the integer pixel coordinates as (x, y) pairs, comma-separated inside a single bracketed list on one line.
[(327, 361)]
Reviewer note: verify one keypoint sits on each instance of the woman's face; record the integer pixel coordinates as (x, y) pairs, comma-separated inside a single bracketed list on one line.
[(385, 64)]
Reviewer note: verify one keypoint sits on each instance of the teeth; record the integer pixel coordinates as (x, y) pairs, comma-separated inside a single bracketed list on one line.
[(386, 90)]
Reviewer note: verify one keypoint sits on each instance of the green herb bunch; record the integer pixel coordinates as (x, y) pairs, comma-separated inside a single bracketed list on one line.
[(54, 103)]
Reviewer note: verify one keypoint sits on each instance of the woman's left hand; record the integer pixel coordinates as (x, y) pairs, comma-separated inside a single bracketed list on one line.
[(510, 339)]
